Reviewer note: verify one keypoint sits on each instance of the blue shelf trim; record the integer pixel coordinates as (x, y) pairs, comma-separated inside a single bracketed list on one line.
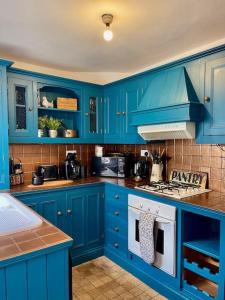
[(204, 272), (209, 247), (196, 292), (59, 110)]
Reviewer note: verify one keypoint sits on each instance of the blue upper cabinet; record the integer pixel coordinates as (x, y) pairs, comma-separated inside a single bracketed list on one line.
[(120, 101), (93, 115), (4, 159), (21, 108), (112, 113), (212, 129)]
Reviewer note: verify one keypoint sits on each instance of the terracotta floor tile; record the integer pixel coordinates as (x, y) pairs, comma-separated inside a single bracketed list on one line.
[(31, 245), (53, 238), (9, 251)]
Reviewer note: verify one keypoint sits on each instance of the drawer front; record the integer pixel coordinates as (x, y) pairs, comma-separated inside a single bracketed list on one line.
[(117, 225), (116, 243), (116, 195), (117, 212)]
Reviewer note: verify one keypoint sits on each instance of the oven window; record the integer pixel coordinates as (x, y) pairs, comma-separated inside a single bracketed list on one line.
[(160, 241), (137, 238)]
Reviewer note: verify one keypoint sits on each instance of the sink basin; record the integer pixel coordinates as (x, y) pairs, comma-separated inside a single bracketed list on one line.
[(14, 216)]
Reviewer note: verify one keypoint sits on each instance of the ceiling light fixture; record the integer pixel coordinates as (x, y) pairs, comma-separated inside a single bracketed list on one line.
[(107, 20)]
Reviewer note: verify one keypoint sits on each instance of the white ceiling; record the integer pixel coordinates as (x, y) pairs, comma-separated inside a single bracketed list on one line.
[(65, 36)]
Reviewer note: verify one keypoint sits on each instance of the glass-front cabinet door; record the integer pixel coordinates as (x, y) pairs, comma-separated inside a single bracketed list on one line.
[(93, 114), (21, 107)]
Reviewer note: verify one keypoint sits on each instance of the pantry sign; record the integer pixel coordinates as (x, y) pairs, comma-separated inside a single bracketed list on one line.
[(193, 178)]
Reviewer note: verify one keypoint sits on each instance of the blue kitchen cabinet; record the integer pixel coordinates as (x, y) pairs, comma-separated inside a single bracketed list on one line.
[(214, 121), (86, 225), (93, 115), (40, 275), (4, 159), (51, 206), (116, 221), (22, 107), (120, 101), (112, 114)]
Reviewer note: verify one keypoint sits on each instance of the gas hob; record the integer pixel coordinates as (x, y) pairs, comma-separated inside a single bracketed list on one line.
[(181, 185)]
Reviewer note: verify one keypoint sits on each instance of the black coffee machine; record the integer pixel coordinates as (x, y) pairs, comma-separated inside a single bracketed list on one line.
[(70, 168)]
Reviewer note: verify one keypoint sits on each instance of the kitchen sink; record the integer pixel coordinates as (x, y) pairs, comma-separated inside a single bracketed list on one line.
[(14, 216)]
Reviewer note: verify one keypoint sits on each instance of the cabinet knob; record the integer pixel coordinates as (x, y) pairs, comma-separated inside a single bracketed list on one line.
[(116, 213), (116, 245), (59, 213), (86, 114), (30, 108), (206, 99), (124, 113), (69, 211), (117, 196), (116, 229), (118, 113)]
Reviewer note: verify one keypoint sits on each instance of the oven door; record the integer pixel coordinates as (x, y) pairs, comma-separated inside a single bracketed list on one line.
[(165, 243)]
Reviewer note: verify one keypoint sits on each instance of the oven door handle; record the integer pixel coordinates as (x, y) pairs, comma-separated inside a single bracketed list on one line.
[(160, 220)]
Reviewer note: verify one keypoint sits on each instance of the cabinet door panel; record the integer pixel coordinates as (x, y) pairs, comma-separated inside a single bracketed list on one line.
[(112, 114), (95, 218), (93, 113), (76, 218), (21, 107), (215, 90)]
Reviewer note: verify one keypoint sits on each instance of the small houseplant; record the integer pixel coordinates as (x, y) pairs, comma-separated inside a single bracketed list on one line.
[(53, 126), (42, 122)]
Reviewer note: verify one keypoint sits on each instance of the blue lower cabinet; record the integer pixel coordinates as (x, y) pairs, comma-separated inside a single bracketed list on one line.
[(87, 222), (44, 275), (49, 205)]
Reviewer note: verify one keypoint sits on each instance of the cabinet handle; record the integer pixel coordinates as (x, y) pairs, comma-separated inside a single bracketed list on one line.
[(86, 114), (59, 213), (30, 108), (69, 211), (124, 113), (116, 213), (118, 113), (206, 99), (116, 245), (116, 229), (116, 196)]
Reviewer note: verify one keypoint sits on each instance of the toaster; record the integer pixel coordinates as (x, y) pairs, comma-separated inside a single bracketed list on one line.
[(48, 172)]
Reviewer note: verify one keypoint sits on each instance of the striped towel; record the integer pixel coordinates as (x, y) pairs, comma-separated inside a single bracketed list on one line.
[(146, 234)]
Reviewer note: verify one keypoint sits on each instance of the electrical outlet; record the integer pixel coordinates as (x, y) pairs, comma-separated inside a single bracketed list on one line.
[(143, 153), (71, 151)]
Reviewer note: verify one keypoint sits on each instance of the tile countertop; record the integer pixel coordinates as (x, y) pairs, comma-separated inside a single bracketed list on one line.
[(212, 200), (44, 236)]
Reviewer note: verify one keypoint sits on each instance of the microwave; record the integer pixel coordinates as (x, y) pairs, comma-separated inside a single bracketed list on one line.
[(112, 166)]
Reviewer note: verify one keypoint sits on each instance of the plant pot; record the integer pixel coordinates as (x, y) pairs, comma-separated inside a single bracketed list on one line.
[(52, 133), (40, 132)]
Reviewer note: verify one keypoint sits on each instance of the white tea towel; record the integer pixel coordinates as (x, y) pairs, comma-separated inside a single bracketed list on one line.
[(146, 236)]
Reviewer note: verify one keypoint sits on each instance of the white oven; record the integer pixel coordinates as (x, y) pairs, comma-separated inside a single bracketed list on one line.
[(164, 231)]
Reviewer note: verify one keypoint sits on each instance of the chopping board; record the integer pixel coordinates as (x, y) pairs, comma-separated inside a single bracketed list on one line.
[(52, 183)]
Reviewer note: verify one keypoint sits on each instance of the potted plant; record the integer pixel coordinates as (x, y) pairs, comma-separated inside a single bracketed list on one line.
[(53, 125), (42, 121)]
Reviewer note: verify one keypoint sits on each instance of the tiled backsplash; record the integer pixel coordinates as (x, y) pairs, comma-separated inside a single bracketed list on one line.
[(184, 154)]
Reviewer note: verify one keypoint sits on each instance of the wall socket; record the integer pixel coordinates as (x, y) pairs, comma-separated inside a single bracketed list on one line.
[(143, 152), (71, 151)]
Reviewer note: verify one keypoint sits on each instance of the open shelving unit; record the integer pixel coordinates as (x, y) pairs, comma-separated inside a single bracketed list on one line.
[(201, 249), (70, 118)]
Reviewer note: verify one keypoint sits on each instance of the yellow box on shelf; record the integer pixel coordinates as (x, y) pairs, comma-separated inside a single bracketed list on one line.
[(67, 103)]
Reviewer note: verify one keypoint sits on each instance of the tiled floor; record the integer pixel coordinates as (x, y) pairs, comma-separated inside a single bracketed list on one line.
[(102, 279)]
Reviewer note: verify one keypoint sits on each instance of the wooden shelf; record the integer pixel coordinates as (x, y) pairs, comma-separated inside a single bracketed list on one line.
[(210, 247), (58, 109)]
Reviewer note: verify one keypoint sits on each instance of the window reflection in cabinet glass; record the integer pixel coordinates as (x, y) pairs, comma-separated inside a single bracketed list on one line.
[(21, 122), (93, 116)]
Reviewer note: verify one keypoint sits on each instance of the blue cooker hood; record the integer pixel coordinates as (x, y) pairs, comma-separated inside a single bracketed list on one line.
[(169, 98)]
